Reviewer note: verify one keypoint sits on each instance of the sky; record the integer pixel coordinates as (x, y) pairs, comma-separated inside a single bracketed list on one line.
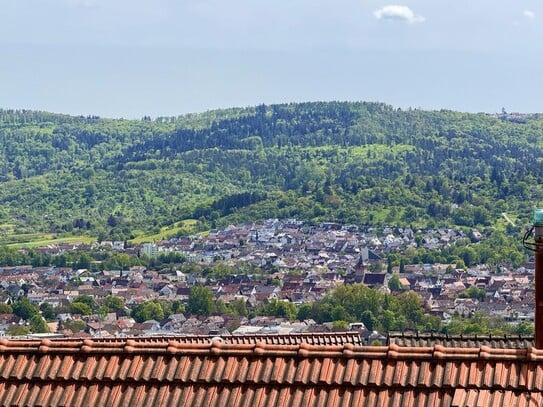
[(130, 58)]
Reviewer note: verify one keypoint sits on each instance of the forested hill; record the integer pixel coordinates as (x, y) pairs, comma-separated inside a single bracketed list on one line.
[(363, 163)]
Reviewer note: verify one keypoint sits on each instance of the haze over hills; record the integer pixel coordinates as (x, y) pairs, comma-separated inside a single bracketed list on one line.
[(364, 163)]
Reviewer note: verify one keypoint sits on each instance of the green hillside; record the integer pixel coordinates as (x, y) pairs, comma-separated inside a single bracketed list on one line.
[(364, 163)]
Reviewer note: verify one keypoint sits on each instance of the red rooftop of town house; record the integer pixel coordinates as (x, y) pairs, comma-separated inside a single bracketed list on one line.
[(127, 372)]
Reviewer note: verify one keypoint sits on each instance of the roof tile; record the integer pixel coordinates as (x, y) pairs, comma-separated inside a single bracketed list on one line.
[(417, 339), (438, 378), (7, 366), (149, 372), (423, 376)]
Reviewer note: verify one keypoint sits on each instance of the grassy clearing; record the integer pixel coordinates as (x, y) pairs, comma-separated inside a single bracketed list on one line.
[(33, 240), (50, 239), (19, 238), (185, 226)]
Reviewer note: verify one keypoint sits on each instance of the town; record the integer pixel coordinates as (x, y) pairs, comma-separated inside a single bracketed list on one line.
[(252, 264)]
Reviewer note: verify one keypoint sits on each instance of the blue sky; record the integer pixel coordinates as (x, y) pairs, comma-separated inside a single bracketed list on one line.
[(129, 58)]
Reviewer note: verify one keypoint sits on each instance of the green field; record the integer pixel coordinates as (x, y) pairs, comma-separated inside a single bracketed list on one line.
[(40, 240), (32, 240), (186, 226)]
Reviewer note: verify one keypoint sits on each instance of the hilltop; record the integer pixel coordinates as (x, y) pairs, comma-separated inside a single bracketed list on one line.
[(363, 163)]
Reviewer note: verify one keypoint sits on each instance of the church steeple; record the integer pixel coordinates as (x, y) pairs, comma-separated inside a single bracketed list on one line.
[(360, 265)]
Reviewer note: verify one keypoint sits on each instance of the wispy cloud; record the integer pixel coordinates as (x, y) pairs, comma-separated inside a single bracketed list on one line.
[(530, 15), (398, 13)]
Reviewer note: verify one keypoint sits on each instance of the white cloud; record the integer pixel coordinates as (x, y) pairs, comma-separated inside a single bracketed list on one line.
[(530, 15), (395, 12)]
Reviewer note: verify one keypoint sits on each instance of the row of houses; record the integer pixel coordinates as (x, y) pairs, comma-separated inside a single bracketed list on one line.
[(292, 262)]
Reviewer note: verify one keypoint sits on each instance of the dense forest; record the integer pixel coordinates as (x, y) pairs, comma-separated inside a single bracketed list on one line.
[(363, 163)]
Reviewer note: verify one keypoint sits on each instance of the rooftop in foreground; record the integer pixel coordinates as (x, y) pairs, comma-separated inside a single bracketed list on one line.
[(214, 373), (314, 338), (460, 341)]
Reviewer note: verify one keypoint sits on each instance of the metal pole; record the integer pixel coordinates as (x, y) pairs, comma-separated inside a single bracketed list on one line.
[(538, 286)]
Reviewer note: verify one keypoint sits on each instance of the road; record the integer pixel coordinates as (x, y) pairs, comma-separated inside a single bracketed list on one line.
[(507, 218)]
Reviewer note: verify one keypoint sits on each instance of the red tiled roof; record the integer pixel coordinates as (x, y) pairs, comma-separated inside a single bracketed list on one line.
[(313, 338), (460, 341), (169, 372), (321, 338)]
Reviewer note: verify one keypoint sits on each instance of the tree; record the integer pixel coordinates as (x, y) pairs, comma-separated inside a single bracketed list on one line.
[(280, 309), (524, 328), (25, 309), (112, 221), (473, 292), (119, 261), (177, 307), (469, 256), (368, 319), (239, 307), (459, 265), (102, 312), (86, 299), (394, 283), (233, 324), (410, 306), (304, 312), (80, 308), (38, 325), (75, 325), (5, 308), (84, 261), (114, 303), (17, 330), (220, 307), (376, 267), (388, 321), (47, 311), (339, 313), (201, 301), (340, 325), (148, 310)]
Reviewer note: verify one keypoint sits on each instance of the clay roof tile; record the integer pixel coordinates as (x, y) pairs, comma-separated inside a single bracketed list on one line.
[(170, 371)]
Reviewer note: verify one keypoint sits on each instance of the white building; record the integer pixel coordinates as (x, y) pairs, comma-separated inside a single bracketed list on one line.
[(149, 249)]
